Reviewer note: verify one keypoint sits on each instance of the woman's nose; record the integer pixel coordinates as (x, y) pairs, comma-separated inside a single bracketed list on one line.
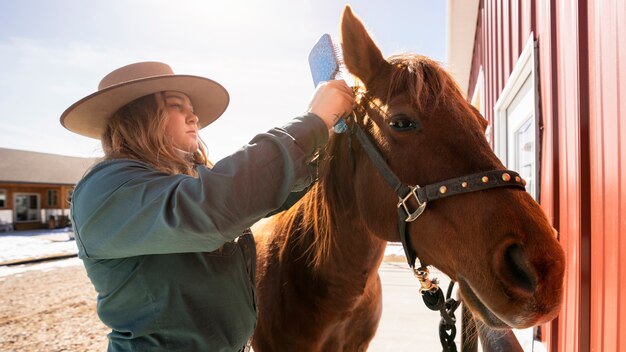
[(192, 118)]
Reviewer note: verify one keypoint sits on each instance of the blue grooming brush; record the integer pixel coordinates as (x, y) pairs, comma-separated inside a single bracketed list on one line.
[(324, 64)]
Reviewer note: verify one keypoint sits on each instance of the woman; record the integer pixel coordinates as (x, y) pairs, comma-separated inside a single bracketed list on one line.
[(162, 233)]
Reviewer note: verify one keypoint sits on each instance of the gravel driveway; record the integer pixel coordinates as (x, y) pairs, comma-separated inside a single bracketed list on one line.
[(50, 310)]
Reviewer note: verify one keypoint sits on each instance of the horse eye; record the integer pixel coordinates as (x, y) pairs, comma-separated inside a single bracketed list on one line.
[(403, 123)]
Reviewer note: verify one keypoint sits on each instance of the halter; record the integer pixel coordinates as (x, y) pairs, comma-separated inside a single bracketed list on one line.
[(421, 196)]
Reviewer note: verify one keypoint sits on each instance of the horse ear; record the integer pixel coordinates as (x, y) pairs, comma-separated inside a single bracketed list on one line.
[(360, 54)]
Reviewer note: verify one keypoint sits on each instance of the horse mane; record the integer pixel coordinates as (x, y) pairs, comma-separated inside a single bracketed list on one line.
[(310, 223)]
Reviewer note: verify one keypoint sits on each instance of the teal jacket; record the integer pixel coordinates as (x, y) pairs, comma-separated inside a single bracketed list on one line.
[(170, 256)]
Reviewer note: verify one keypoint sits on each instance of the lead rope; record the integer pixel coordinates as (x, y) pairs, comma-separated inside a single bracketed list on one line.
[(447, 324), (433, 296), (433, 299)]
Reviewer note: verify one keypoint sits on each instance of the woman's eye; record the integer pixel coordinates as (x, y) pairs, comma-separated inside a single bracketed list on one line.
[(176, 106), (403, 123)]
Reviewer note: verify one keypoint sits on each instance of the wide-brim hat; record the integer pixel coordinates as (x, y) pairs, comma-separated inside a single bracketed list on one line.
[(89, 116)]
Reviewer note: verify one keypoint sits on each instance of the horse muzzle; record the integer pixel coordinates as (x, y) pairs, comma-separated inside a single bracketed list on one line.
[(525, 290)]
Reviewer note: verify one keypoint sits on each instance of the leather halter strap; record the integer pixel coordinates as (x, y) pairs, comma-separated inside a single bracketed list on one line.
[(424, 194)]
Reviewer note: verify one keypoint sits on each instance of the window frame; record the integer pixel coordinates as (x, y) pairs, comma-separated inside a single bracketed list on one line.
[(68, 196), (526, 65), (51, 197), (38, 209), (4, 197)]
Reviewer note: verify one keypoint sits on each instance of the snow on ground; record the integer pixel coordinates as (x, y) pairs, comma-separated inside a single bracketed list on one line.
[(18, 247), (43, 266)]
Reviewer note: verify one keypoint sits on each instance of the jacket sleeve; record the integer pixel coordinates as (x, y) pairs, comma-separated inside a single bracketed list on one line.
[(127, 208)]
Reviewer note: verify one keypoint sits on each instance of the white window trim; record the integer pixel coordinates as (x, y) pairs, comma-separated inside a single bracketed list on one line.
[(525, 65)]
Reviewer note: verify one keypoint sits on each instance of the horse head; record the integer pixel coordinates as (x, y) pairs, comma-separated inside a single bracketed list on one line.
[(496, 243)]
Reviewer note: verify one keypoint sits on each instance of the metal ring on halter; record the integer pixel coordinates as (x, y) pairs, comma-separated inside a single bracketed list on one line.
[(403, 203), (421, 274)]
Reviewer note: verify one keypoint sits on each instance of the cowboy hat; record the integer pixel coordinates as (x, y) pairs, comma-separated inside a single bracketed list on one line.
[(89, 116)]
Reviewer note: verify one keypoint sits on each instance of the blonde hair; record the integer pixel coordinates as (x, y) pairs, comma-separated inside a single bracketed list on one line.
[(138, 131)]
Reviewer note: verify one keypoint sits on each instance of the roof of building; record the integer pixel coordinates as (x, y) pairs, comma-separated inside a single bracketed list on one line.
[(34, 167)]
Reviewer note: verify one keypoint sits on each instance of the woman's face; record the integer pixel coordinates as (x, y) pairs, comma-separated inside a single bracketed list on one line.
[(182, 123)]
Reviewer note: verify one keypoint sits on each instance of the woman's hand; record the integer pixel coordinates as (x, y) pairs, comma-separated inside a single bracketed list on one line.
[(332, 100)]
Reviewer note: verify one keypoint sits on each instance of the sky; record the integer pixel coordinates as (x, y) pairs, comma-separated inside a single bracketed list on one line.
[(55, 52)]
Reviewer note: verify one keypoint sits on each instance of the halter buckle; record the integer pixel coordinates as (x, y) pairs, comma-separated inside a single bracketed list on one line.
[(403, 203)]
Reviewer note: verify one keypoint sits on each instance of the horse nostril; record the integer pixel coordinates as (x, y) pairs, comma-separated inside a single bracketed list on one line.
[(515, 272)]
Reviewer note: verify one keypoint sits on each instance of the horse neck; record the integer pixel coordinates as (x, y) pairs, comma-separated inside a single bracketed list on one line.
[(356, 247), (328, 223)]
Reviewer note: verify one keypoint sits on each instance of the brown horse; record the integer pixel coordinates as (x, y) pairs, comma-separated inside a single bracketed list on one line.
[(317, 281)]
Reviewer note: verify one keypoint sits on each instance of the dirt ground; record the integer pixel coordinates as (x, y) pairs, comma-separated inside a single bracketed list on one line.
[(50, 311), (54, 310)]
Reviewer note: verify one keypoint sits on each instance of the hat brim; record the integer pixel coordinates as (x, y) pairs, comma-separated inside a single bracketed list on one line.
[(89, 116)]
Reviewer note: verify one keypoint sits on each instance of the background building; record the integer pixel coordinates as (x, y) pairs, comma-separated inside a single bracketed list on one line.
[(35, 188)]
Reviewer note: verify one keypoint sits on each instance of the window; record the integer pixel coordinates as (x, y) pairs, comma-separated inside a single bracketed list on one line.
[(516, 126), (516, 123), (3, 198), (68, 195), (53, 197), (27, 207)]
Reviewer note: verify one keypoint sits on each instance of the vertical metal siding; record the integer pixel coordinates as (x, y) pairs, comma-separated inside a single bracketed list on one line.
[(488, 40), (561, 29), (574, 172), (548, 83), (582, 55), (506, 43), (526, 11), (498, 43), (516, 43), (608, 177)]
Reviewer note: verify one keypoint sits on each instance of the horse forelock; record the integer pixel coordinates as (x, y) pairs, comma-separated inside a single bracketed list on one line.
[(425, 82)]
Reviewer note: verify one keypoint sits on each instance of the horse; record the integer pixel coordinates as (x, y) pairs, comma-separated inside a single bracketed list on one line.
[(318, 287)]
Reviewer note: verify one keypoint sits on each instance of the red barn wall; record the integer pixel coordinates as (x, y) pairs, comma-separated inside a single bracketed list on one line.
[(582, 75)]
